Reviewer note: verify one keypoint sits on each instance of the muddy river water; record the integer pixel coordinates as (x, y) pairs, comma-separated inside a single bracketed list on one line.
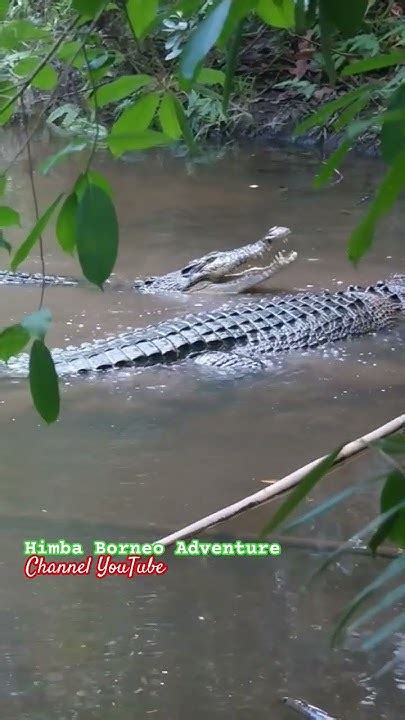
[(136, 455)]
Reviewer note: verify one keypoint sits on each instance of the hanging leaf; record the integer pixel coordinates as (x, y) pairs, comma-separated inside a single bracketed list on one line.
[(66, 224), (3, 8), (88, 8), (326, 30), (96, 234), (328, 109), (119, 89), (94, 178), (16, 32), (168, 117), (141, 15), (53, 160), (210, 76), (377, 62), (26, 247), (9, 217), (392, 494), (231, 61), (300, 491), (346, 15), (278, 13), (122, 143), (12, 340), (44, 382), (45, 79), (203, 39), (332, 163), (4, 243), (185, 127), (387, 193), (133, 121), (393, 134)]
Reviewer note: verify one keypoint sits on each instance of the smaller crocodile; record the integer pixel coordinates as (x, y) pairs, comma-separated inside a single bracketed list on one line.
[(217, 270), (306, 710)]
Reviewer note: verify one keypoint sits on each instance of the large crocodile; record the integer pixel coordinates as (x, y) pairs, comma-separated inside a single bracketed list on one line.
[(243, 335), (227, 270)]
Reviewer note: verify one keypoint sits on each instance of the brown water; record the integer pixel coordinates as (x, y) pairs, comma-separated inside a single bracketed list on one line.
[(137, 454)]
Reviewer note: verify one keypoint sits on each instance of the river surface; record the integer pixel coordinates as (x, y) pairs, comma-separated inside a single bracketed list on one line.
[(136, 455)]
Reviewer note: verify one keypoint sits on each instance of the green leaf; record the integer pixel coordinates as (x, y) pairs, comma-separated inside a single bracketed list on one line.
[(4, 243), (3, 8), (392, 494), (329, 108), (393, 134), (134, 120), (168, 117), (98, 179), (184, 124), (394, 567), (88, 8), (12, 340), (351, 112), (231, 62), (300, 16), (26, 247), (119, 89), (37, 323), (53, 160), (386, 631), (392, 184), (209, 76), (312, 7), (9, 216), (278, 13), (203, 39), (326, 30), (121, 143), (66, 224), (141, 14), (44, 382), (333, 162), (45, 79), (375, 63), (97, 234), (238, 13), (300, 491), (366, 530), (68, 50), (346, 15), (391, 598), (7, 112), (15, 32), (392, 445)]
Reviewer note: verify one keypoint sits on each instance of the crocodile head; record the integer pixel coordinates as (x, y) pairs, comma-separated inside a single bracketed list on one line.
[(230, 270)]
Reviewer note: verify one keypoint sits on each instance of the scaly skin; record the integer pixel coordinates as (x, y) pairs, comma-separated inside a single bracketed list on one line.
[(241, 336), (306, 710), (213, 271)]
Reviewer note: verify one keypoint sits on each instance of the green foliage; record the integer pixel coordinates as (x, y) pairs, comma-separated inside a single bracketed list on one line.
[(141, 15), (44, 382), (12, 341), (96, 234), (35, 234), (118, 89), (9, 217), (203, 39), (279, 13)]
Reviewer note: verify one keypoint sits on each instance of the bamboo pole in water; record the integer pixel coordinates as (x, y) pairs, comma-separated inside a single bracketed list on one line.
[(281, 486)]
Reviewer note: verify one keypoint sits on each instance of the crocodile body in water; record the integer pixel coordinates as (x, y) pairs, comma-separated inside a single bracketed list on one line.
[(217, 270), (243, 335)]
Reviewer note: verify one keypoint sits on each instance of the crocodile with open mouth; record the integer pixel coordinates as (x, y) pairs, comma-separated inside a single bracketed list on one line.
[(227, 270)]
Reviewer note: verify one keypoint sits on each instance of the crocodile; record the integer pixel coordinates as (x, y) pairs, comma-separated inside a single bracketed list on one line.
[(214, 270), (243, 335), (306, 710)]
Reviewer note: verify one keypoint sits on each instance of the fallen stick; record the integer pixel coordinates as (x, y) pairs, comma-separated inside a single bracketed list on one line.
[(281, 486)]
